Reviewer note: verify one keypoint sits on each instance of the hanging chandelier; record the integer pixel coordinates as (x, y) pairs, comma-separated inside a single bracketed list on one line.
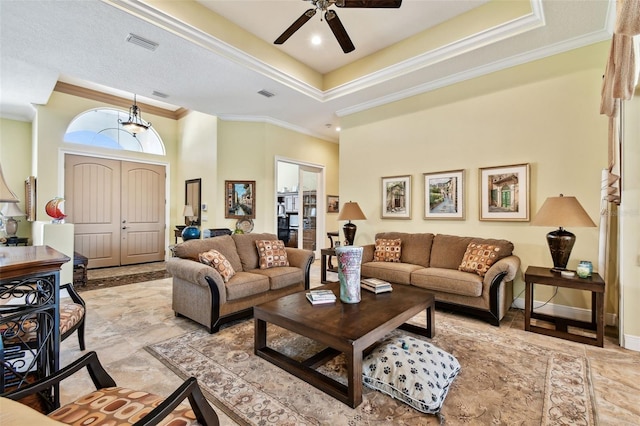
[(135, 123)]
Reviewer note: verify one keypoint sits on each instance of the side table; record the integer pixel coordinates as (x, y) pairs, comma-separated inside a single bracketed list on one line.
[(324, 253), (595, 284)]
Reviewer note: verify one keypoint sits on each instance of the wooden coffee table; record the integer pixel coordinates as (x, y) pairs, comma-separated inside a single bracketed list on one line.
[(351, 329)]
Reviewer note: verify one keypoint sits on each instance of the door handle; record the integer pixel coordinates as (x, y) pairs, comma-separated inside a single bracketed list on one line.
[(124, 227)]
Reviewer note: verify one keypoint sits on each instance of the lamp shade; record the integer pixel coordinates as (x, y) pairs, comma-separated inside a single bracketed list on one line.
[(562, 212), (6, 195), (188, 211), (12, 210), (351, 211)]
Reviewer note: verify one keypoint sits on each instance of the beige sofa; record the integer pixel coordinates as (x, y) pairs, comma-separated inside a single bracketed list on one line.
[(201, 294), (431, 262)]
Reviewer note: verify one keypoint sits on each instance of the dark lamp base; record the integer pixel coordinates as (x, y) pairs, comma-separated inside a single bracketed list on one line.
[(349, 230), (560, 244)]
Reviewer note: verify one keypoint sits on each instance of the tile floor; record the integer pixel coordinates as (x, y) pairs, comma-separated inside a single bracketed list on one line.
[(122, 320)]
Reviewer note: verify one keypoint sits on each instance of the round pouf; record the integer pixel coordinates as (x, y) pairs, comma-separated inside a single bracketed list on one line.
[(349, 260), (190, 233)]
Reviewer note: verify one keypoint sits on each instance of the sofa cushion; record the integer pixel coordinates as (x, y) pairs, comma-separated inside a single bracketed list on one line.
[(411, 370), (387, 250), (191, 249), (271, 254), (246, 247), (282, 277), (448, 281), (416, 247), (448, 250), (398, 273), (217, 261), (479, 257), (245, 284)]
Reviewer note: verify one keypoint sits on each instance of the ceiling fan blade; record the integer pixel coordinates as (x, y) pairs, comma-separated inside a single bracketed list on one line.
[(338, 30), (295, 26), (369, 3)]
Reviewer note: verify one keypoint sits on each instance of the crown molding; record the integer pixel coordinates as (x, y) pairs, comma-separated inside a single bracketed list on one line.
[(269, 120), (95, 95)]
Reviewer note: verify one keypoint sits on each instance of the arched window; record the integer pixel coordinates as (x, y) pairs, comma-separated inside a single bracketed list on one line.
[(101, 127)]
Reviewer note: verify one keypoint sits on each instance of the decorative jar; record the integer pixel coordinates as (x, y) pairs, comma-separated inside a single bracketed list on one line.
[(584, 269), (349, 260)]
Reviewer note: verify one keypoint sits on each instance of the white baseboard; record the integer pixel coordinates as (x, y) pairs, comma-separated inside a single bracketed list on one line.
[(580, 314), (632, 342)]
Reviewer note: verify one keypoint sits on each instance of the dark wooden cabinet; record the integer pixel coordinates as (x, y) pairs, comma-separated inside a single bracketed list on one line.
[(29, 315)]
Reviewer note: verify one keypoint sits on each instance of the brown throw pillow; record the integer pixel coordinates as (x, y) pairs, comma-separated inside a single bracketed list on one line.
[(387, 250), (479, 257), (216, 260), (271, 254)]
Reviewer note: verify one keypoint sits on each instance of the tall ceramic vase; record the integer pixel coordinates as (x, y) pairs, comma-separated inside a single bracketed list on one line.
[(349, 260)]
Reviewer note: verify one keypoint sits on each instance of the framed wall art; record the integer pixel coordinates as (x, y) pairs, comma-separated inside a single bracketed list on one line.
[(240, 199), (396, 197), (333, 204), (504, 193), (444, 195)]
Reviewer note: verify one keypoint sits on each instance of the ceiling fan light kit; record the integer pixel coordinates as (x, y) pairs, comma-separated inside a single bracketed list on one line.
[(332, 19)]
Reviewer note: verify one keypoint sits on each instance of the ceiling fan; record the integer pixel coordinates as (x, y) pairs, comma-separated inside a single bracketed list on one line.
[(332, 18)]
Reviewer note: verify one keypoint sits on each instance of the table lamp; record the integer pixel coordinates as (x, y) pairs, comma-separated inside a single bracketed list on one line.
[(561, 211), (190, 232), (350, 211)]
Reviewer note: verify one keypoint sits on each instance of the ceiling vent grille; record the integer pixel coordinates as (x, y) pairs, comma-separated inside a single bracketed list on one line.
[(160, 94), (266, 93), (142, 42)]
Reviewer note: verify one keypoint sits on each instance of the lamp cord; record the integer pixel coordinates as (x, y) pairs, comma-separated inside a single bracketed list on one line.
[(536, 307)]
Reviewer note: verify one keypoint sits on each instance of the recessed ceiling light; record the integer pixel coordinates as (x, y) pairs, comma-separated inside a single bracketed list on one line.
[(316, 40), (337, 129)]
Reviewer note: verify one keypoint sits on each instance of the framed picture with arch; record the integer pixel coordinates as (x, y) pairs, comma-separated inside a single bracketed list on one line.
[(504, 193), (396, 197)]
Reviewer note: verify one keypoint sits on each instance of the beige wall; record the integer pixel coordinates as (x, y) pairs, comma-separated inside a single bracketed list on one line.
[(545, 113), (15, 158), (247, 151)]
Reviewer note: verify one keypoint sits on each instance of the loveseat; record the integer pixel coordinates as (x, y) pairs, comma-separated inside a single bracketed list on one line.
[(466, 274), (235, 276)]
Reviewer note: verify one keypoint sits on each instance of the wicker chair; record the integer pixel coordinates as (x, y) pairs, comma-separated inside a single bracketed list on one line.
[(109, 403)]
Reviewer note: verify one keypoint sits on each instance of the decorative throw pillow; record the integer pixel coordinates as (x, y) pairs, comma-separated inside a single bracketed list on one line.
[(216, 260), (479, 257), (412, 371), (271, 253), (387, 250)]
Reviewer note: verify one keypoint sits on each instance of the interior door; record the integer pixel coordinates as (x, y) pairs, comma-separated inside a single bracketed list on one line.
[(92, 204), (142, 213), (117, 208)]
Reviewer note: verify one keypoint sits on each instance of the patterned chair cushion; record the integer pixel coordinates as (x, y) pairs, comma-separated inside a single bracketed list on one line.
[(387, 250), (272, 253), (119, 406), (216, 260), (70, 315), (479, 257), (412, 371)]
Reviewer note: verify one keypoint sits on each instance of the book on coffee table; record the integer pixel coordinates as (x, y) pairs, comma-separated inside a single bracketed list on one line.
[(321, 300), (321, 294), (375, 285)]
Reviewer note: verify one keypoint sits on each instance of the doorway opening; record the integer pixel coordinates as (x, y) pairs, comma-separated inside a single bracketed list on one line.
[(299, 202)]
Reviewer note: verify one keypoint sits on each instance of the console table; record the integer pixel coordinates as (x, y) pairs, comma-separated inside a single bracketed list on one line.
[(324, 267), (29, 315), (594, 284)]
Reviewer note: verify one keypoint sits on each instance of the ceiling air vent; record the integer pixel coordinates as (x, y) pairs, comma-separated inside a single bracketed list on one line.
[(142, 42), (160, 94), (266, 93)]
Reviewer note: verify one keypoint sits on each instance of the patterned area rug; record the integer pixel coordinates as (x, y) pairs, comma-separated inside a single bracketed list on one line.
[(114, 281), (503, 380)]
